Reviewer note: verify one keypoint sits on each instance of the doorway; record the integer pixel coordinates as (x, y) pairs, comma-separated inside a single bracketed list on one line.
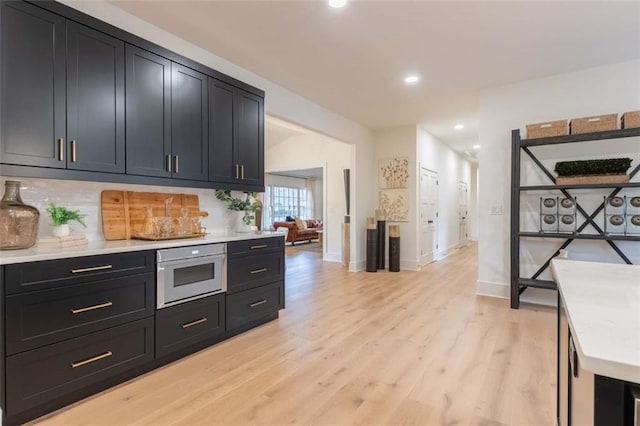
[(463, 213), (428, 215)]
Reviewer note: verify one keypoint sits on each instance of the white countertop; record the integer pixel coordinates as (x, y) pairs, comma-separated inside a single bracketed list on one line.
[(106, 247), (602, 301)]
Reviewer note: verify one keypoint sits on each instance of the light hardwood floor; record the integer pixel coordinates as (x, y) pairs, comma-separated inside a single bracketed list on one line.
[(358, 348)]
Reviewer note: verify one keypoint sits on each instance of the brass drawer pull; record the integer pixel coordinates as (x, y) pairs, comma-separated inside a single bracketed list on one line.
[(261, 302), (91, 308), (176, 166), (237, 167), (169, 163), (90, 360), (61, 149), (242, 171), (258, 271), (261, 246), (73, 151), (91, 269), (196, 322)]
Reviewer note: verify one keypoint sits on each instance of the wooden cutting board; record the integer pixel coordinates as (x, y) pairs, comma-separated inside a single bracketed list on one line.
[(124, 212)]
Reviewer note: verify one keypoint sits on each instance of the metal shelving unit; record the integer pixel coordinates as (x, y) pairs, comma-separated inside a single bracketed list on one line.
[(518, 146)]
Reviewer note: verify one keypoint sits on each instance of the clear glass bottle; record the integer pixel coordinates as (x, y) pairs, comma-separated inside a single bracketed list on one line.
[(18, 221)]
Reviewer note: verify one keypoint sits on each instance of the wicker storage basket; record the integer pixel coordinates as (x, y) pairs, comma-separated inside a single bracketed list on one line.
[(630, 120), (598, 123), (548, 129)]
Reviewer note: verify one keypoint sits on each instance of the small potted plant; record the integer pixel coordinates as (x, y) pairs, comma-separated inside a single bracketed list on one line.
[(61, 216), (246, 206)]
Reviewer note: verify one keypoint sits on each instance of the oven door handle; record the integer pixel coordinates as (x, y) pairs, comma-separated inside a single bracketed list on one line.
[(191, 261)]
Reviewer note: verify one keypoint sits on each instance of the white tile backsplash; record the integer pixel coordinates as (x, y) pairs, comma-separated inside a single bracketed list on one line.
[(85, 197)]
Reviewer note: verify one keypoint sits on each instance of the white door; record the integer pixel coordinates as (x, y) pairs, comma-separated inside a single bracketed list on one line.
[(463, 213), (428, 215)]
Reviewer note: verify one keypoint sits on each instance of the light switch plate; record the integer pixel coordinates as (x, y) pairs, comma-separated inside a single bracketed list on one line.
[(496, 210)]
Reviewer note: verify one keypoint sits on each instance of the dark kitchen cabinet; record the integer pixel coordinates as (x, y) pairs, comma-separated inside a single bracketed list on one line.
[(95, 100), (236, 136), (186, 324), (189, 141), (148, 109), (32, 116), (250, 138), (222, 165)]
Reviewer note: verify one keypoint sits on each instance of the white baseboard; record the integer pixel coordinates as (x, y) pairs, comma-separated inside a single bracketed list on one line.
[(332, 257), (356, 266), (493, 289), (409, 265)]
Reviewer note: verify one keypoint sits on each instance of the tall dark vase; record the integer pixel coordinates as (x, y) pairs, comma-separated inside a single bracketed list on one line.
[(394, 248), (382, 228), (372, 245)]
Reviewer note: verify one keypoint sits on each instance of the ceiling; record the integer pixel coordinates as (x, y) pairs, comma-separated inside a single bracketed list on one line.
[(353, 60)]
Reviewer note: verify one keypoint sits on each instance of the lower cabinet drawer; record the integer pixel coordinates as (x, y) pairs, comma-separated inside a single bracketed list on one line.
[(253, 304), (182, 325), (253, 271), (41, 375), (44, 317)]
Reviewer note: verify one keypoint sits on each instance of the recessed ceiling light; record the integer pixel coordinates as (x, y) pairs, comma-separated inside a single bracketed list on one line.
[(336, 4), (476, 147), (458, 127), (411, 79)]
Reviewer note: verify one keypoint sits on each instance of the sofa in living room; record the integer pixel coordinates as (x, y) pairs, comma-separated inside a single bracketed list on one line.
[(300, 229)]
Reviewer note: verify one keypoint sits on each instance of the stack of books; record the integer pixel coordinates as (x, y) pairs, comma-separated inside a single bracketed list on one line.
[(73, 240)]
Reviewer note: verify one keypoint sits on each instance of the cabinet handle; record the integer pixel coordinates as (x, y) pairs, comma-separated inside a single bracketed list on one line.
[(261, 246), (90, 360), (257, 271), (91, 308), (169, 163), (91, 269), (635, 393), (237, 167), (196, 322), (61, 149), (176, 164), (261, 302), (242, 171), (73, 151)]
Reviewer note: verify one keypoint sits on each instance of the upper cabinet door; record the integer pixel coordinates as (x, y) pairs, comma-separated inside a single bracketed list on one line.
[(189, 141), (250, 137), (148, 101), (32, 91), (222, 164), (95, 100)]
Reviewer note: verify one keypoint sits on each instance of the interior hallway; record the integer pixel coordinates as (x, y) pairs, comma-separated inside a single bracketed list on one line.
[(358, 348)]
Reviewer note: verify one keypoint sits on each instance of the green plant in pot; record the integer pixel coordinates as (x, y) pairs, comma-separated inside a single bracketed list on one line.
[(248, 205), (61, 216)]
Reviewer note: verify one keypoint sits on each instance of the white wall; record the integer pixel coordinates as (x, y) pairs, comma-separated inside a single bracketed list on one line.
[(310, 151), (401, 142), (286, 181), (452, 169), (279, 102), (315, 186), (612, 88), (473, 202)]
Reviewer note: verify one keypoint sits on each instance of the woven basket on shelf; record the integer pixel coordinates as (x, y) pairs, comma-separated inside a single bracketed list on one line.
[(630, 120), (547, 129), (597, 123)]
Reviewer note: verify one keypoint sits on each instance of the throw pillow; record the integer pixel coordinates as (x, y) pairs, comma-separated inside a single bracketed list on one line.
[(301, 224)]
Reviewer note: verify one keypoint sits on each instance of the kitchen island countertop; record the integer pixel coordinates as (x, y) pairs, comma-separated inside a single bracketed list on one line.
[(602, 301)]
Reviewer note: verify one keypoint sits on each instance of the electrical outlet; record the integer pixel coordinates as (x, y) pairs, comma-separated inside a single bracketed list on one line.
[(496, 210)]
